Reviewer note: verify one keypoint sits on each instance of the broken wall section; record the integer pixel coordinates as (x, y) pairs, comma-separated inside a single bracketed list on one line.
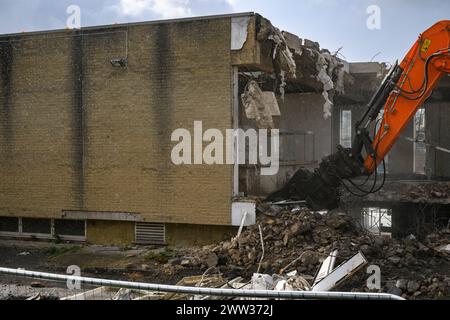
[(292, 64), (305, 138), (285, 83)]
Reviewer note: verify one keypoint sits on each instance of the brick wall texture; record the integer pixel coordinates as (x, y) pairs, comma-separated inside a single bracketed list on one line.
[(77, 133)]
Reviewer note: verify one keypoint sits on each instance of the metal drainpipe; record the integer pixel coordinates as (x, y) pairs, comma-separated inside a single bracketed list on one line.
[(204, 291)]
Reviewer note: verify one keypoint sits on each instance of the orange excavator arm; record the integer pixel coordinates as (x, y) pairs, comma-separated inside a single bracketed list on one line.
[(419, 73), (401, 94)]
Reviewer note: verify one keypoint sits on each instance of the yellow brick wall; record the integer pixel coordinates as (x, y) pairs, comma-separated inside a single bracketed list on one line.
[(197, 235), (80, 134), (110, 233), (36, 127)]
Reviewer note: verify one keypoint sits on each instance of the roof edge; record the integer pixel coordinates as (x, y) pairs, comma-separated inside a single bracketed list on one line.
[(120, 25)]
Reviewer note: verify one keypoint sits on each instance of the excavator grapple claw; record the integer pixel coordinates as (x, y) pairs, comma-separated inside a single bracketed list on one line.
[(320, 188)]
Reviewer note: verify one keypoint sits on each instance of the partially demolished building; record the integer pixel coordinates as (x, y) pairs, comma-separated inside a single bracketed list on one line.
[(87, 117)]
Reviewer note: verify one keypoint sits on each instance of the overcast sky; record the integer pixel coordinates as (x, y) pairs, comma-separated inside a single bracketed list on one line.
[(332, 23)]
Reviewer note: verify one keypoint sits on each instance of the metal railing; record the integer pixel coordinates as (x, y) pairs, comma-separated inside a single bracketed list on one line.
[(219, 292)]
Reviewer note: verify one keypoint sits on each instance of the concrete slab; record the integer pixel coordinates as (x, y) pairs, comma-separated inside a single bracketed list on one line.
[(365, 67)]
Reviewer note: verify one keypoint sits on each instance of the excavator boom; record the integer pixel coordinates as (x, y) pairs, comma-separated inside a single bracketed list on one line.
[(426, 62), (405, 89)]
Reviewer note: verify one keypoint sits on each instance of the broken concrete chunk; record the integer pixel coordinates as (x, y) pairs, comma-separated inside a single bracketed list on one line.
[(283, 285), (283, 59), (262, 282), (324, 68), (413, 286), (294, 229), (394, 260), (311, 44), (174, 261), (271, 102), (444, 248), (290, 282), (210, 260), (293, 42), (310, 258), (122, 294), (336, 221), (286, 239), (283, 55), (260, 106), (324, 76), (339, 85), (327, 106), (265, 29), (300, 229), (145, 267), (269, 210)]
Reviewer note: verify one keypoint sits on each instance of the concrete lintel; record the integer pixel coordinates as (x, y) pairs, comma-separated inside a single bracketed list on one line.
[(105, 216), (294, 42), (365, 67)]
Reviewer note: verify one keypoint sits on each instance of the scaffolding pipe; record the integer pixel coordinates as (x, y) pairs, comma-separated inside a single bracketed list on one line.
[(202, 291)]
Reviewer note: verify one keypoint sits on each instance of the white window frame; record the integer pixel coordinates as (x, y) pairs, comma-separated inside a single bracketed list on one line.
[(347, 143), (42, 236)]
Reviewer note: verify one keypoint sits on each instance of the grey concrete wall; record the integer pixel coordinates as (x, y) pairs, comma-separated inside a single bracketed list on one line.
[(300, 113), (304, 112), (438, 134), (401, 157)]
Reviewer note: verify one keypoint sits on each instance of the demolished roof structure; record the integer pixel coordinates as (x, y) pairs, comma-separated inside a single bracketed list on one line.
[(291, 64)]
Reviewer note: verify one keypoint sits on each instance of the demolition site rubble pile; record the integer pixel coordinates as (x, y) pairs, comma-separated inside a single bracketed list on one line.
[(299, 240), (430, 191), (419, 192)]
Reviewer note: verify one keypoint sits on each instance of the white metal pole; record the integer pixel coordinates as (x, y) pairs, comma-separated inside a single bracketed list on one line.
[(204, 291)]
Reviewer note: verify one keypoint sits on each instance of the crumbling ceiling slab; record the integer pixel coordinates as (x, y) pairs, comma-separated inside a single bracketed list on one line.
[(300, 65)]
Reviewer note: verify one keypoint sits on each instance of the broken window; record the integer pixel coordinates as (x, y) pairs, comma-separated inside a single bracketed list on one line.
[(420, 150), (70, 228), (9, 224), (346, 128), (377, 220), (36, 226)]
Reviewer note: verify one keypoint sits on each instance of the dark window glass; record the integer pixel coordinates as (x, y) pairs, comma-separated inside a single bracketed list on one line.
[(42, 226), (9, 224)]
